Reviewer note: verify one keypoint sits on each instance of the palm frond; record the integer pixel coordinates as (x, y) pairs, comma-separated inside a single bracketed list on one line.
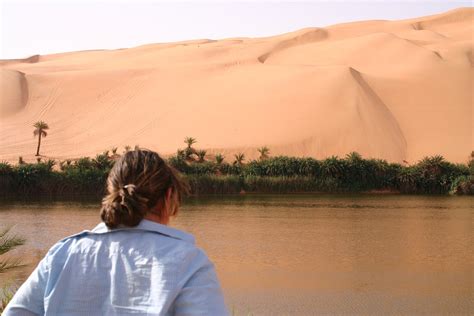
[(6, 295), (10, 263), (8, 242), (190, 141), (41, 125), (219, 159)]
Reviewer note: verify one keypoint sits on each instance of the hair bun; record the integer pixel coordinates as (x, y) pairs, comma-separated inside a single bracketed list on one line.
[(127, 208)]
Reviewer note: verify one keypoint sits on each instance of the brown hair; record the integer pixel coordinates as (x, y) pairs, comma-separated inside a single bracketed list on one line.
[(136, 185)]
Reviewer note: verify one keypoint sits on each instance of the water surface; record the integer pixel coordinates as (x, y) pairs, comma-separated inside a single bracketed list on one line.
[(306, 254)]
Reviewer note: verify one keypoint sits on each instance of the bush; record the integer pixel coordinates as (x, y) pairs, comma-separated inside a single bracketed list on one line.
[(103, 162), (5, 168), (463, 185), (281, 184), (212, 184), (203, 168), (283, 167), (228, 169), (431, 175), (84, 163)]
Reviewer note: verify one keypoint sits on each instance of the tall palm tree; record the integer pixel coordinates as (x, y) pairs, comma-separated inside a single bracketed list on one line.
[(239, 159), (264, 152), (40, 131)]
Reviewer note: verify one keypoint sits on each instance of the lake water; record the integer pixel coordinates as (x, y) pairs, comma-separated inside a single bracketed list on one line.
[(306, 254)]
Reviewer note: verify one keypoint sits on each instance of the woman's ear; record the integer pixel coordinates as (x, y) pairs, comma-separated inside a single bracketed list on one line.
[(168, 195)]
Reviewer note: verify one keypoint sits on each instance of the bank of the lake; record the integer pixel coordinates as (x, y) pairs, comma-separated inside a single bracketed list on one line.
[(305, 254), (87, 177)]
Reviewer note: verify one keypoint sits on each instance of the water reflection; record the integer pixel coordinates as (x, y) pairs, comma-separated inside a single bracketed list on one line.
[(306, 254)]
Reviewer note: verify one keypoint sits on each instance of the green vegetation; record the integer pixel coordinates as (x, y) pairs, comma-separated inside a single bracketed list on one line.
[(8, 242), (219, 159), (353, 173), (464, 184), (40, 131), (201, 154), (6, 295), (264, 152), (189, 151), (82, 177), (239, 159)]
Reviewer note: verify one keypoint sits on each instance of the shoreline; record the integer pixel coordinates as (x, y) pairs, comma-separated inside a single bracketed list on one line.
[(97, 199), (86, 177)]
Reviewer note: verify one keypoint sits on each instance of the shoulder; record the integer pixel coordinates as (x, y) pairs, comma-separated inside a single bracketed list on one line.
[(62, 247), (194, 259)]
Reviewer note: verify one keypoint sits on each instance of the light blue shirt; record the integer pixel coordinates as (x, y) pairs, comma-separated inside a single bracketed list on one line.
[(151, 269)]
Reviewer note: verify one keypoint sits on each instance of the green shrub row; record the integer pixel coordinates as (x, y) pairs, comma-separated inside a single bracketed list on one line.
[(431, 175), (87, 177)]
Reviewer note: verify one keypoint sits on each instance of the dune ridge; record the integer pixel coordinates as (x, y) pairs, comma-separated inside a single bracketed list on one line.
[(396, 90)]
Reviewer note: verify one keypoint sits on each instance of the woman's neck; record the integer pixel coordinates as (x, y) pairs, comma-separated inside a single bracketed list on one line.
[(157, 219)]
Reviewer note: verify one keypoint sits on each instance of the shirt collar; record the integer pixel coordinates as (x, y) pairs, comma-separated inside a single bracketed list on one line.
[(147, 225)]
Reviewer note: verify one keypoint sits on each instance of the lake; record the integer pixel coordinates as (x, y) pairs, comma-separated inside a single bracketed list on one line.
[(305, 254)]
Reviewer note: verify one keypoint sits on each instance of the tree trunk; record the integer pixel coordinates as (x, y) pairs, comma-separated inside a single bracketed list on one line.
[(39, 144)]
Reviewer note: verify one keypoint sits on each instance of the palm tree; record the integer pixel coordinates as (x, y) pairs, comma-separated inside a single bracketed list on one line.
[(432, 165), (239, 159), (354, 156), (219, 159), (40, 131), (201, 155), (332, 167), (264, 152), (7, 243), (190, 141)]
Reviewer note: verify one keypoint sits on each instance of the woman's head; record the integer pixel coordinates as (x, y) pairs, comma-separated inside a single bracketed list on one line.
[(141, 183)]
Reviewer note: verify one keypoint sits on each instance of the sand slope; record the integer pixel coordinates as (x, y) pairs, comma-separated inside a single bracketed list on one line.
[(397, 90)]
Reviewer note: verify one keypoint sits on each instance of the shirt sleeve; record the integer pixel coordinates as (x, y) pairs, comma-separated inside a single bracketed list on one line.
[(201, 294), (29, 299)]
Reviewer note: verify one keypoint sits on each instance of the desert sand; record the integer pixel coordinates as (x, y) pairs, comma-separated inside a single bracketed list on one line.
[(397, 90)]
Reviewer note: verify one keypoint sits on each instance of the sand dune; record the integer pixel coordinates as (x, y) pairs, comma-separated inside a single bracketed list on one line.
[(397, 90)]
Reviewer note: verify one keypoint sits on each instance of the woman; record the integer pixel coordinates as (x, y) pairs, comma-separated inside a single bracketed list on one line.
[(132, 263)]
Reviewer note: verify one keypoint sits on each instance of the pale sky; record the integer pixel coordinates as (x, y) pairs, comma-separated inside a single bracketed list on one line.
[(29, 27)]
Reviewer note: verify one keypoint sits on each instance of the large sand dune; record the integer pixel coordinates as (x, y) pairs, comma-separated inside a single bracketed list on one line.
[(398, 90)]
